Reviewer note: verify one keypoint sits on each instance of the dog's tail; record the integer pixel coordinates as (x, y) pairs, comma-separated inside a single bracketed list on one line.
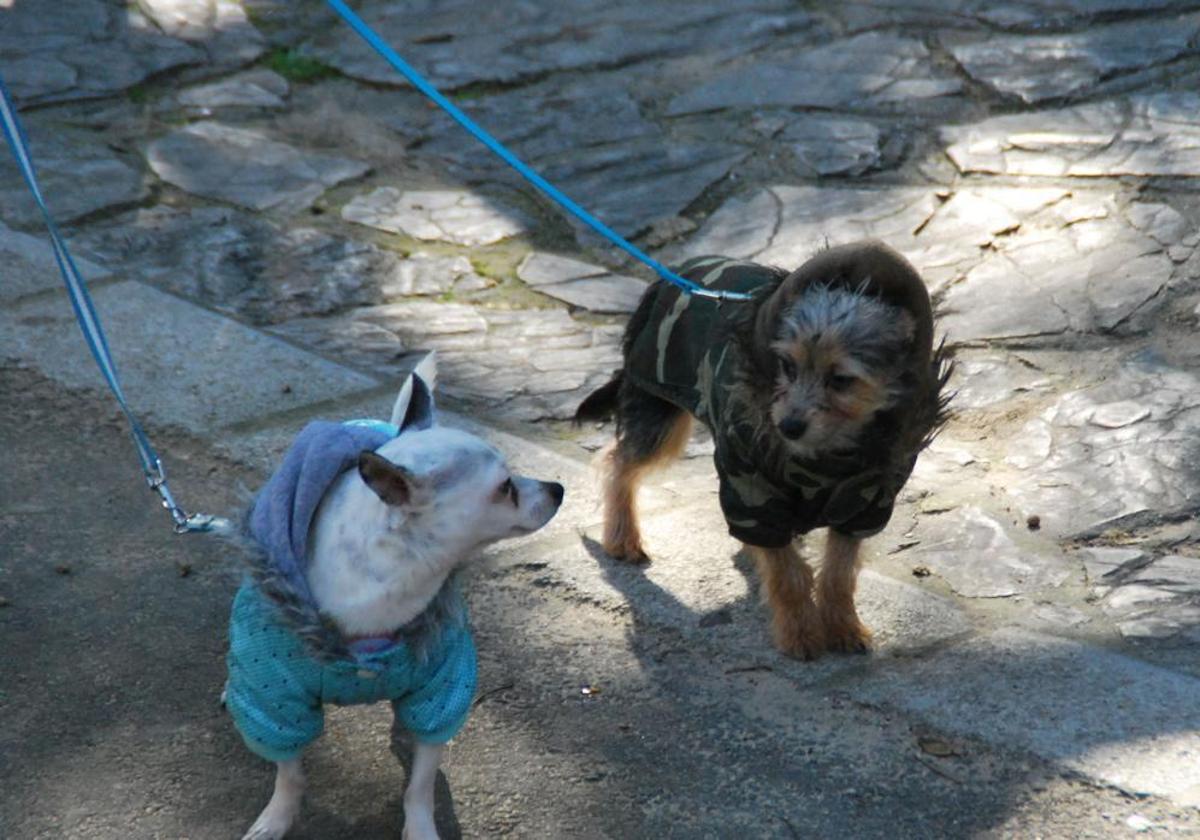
[(601, 403)]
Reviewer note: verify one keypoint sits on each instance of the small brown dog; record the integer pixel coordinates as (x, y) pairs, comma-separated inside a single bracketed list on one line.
[(820, 392)]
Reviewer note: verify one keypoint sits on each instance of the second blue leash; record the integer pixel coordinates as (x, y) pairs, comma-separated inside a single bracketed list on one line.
[(500, 150)]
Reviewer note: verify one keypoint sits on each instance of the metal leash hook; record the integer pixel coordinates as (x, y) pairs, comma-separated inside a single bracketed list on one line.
[(93, 333)]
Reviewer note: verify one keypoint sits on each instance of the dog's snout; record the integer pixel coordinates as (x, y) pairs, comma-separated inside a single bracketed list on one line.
[(793, 427), (555, 490)]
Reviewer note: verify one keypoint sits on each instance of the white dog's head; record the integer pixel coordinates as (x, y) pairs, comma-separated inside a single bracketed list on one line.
[(448, 485)]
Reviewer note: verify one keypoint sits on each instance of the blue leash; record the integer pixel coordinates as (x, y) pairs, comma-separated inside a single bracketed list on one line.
[(420, 83), (89, 323)]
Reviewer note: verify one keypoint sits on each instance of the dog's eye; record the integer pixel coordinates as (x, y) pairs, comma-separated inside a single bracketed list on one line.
[(840, 382), (787, 366)]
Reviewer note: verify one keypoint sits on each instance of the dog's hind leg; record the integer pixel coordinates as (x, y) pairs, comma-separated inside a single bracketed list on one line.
[(650, 431), (835, 595), (284, 807), (418, 796), (788, 590)]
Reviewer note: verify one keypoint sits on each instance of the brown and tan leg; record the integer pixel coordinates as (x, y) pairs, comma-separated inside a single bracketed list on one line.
[(787, 587), (636, 452), (835, 595)]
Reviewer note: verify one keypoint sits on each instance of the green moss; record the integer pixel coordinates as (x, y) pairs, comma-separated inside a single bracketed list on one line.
[(295, 67), (139, 95)]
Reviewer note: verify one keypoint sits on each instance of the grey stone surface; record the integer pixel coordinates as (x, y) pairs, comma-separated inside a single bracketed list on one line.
[(1021, 15), (579, 284), (521, 364), (87, 48), (180, 365), (544, 119), (833, 145), (1124, 444), (78, 174), (630, 186), (1148, 598), (429, 274), (464, 218), (221, 27), (984, 380), (252, 89), (1040, 67), (1024, 690), (980, 558), (246, 167), (943, 234), (875, 68), (1145, 134), (29, 265), (242, 264), (458, 42)]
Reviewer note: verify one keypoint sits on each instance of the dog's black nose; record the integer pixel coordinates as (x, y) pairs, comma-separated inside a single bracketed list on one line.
[(793, 427), (555, 490)]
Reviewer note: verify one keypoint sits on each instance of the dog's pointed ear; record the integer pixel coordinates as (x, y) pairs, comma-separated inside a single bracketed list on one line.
[(414, 408), (391, 483)]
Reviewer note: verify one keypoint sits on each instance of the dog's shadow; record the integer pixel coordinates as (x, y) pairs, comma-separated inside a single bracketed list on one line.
[(637, 588), (444, 814)]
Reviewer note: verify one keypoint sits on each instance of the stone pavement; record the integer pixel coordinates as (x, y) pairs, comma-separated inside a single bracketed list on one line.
[(275, 227)]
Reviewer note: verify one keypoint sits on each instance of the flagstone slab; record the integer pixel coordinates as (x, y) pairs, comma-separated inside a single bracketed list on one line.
[(874, 68), (458, 42), (1143, 134), (979, 557), (246, 167), (464, 218), (253, 89), (78, 173), (589, 287), (85, 49), (1124, 444), (1040, 67)]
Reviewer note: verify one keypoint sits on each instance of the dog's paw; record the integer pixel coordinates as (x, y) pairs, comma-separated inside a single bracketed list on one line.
[(798, 637), (418, 826), (850, 636), (633, 553), (272, 824)]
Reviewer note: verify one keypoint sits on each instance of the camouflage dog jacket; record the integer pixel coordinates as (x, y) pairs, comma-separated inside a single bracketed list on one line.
[(682, 349)]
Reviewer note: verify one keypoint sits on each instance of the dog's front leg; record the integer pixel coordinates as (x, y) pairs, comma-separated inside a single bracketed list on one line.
[(788, 590), (418, 796), (835, 595), (284, 807)]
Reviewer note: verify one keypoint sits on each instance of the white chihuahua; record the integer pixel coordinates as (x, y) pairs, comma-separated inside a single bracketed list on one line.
[(354, 543)]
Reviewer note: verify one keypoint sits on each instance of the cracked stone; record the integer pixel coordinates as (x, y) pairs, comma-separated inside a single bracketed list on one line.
[(1089, 472), (221, 27), (579, 284), (985, 381), (1145, 134), (1101, 562), (463, 218), (255, 89), (829, 145), (429, 274), (78, 174), (524, 365), (460, 42), (246, 167), (630, 186), (238, 263), (785, 225), (86, 49), (1098, 275), (1040, 67), (973, 552), (872, 69)]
